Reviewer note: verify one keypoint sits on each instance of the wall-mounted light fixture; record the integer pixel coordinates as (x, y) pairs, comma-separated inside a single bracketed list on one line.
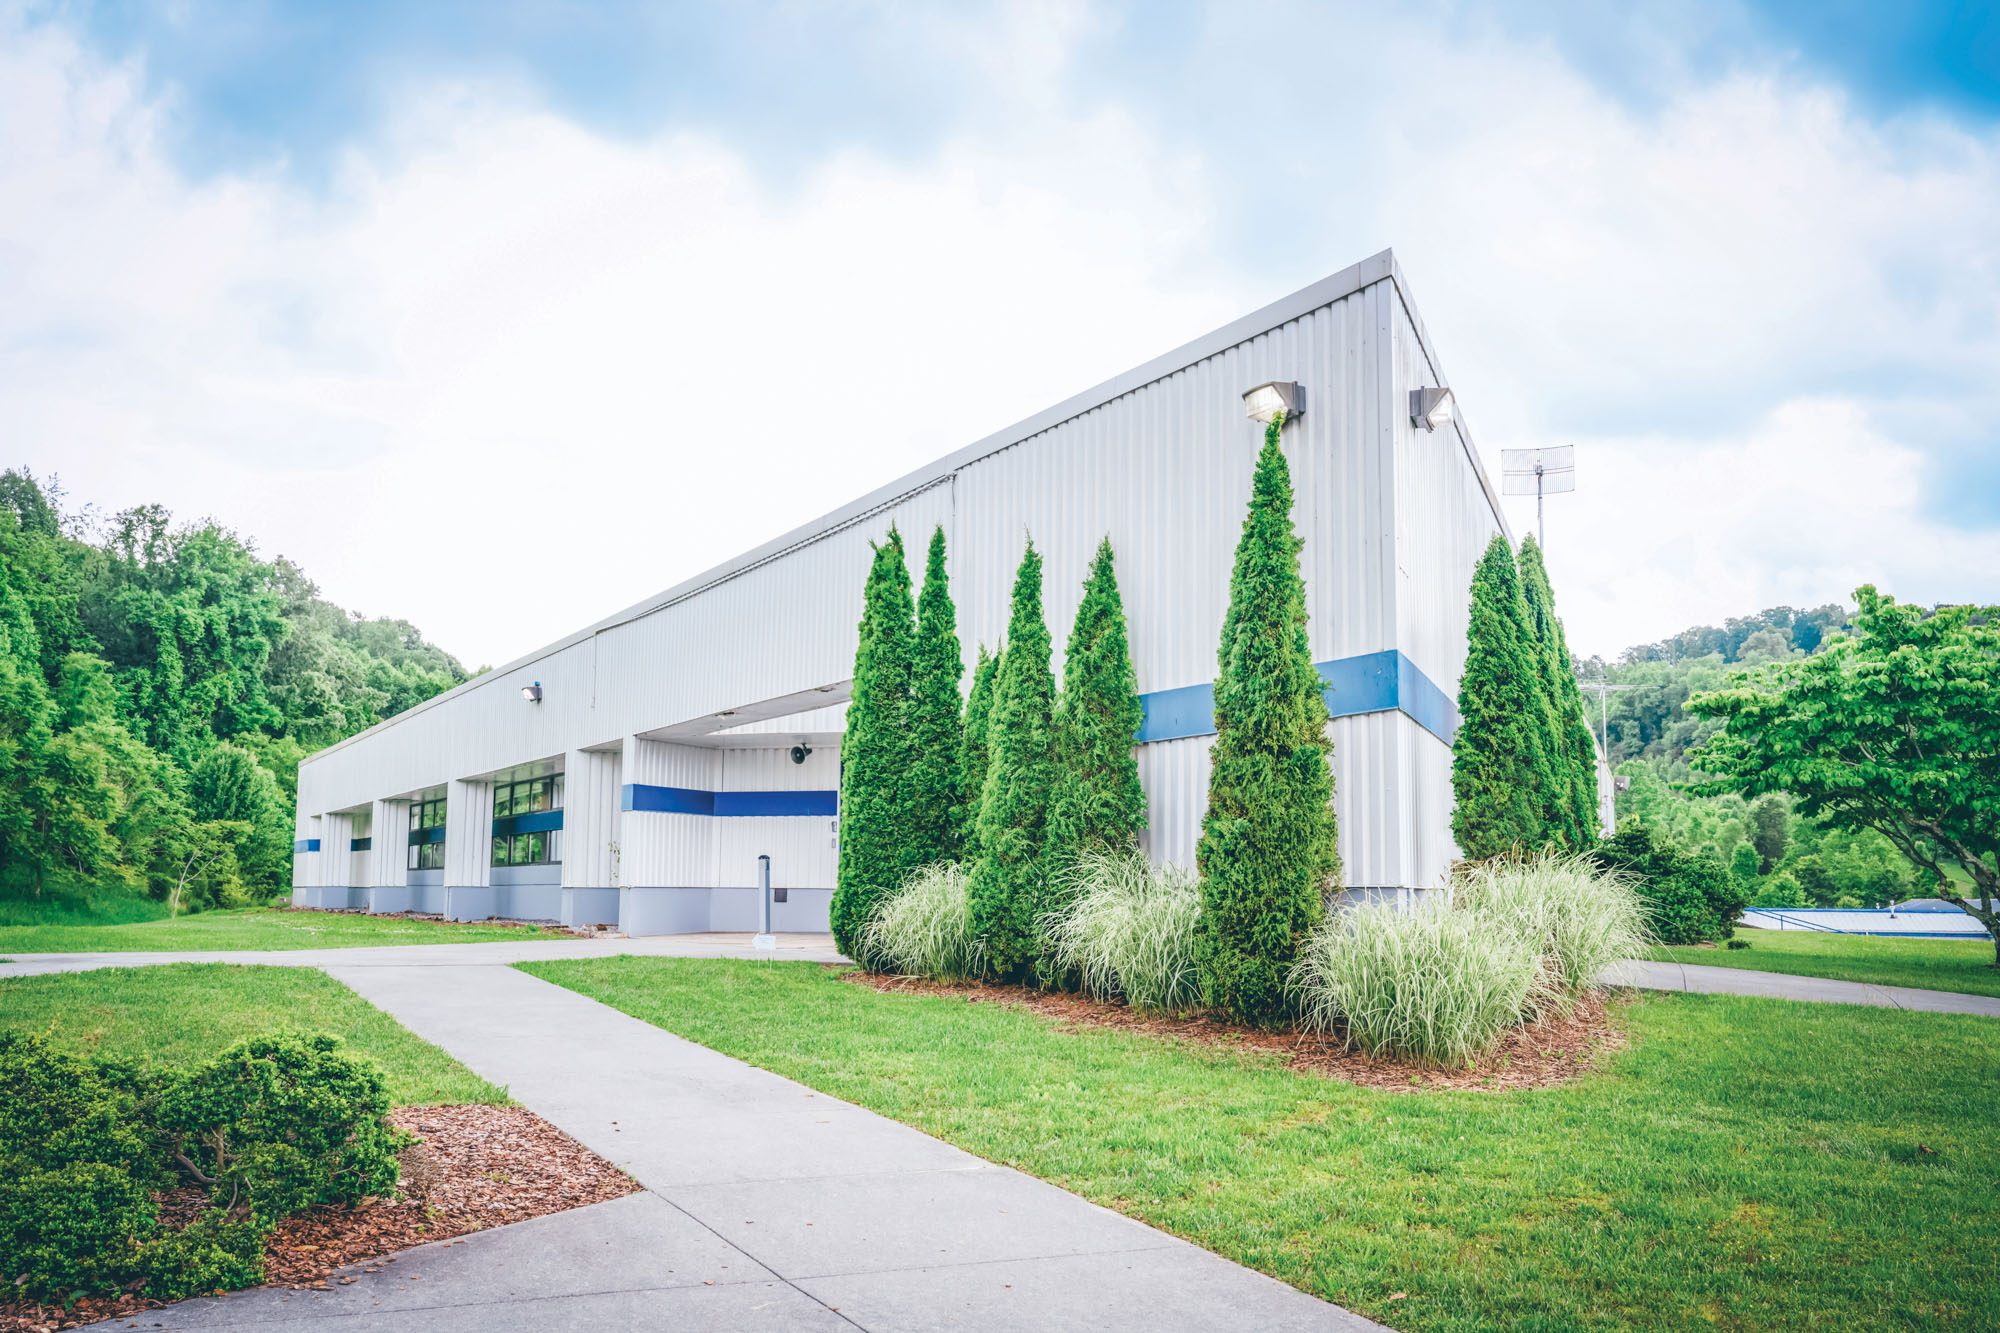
[(532, 693), (1267, 400), (1431, 408)]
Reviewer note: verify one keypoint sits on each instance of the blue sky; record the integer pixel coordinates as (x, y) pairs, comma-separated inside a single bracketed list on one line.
[(337, 246)]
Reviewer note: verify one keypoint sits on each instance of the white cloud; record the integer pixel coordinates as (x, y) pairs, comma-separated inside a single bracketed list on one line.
[(504, 374), (511, 375), (1810, 505)]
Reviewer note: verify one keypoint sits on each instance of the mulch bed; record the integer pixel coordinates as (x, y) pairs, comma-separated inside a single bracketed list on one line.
[(475, 1167), (490, 923), (1538, 1055)]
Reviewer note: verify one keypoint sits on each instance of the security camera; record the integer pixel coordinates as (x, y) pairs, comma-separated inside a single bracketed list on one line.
[(799, 753)]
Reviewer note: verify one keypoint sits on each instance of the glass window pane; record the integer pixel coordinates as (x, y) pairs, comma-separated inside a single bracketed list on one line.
[(416, 855), (557, 790), (555, 845), (538, 849), (503, 801), (499, 851)]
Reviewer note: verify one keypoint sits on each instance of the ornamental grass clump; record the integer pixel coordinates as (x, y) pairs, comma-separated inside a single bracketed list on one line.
[(1432, 984), (1129, 930), (925, 930), (1579, 917)]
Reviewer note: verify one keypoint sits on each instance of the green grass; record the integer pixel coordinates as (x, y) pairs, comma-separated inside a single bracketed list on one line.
[(1745, 1164), (1953, 965), (183, 1013), (255, 928)]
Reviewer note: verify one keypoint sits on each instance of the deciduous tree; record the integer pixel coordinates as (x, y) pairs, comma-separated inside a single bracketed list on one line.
[(1895, 729)]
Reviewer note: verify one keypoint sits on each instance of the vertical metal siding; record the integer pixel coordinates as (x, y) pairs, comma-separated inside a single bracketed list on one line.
[(591, 790), (1162, 468), (468, 834), (389, 850), (336, 860)]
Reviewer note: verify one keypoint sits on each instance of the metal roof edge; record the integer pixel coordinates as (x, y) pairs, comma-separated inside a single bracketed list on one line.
[(1355, 277), (1463, 431)]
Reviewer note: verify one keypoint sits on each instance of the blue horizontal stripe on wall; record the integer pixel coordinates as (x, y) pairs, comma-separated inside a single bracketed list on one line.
[(360, 844), (728, 804), (1369, 683), (648, 799), (749, 803), (306, 845), (538, 821), (420, 836)]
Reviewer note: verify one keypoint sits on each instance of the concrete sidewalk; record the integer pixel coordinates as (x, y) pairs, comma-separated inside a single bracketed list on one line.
[(770, 1205), (1783, 986)]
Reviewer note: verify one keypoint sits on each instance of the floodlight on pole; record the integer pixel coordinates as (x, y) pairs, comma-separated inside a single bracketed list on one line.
[(1538, 472)]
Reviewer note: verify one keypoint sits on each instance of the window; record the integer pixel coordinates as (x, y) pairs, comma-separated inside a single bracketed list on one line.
[(427, 834), (520, 838)]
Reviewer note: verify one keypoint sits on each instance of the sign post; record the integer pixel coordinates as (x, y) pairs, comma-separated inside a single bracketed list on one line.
[(765, 940)]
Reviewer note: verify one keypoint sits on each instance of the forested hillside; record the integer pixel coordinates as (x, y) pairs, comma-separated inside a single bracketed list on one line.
[(159, 683), (1653, 742)]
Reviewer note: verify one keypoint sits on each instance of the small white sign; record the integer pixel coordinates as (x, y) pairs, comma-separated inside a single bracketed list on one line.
[(764, 942)]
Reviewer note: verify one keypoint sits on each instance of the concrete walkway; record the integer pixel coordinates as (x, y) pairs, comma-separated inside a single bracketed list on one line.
[(770, 1206), (1783, 986)]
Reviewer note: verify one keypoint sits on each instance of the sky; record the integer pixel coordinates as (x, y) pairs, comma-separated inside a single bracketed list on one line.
[(502, 316)]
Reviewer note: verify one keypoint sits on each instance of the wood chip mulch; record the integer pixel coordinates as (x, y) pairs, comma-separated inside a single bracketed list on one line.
[(555, 928), (1538, 1055), (475, 1167)]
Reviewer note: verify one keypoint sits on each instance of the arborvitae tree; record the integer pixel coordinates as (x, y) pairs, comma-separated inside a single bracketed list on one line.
[(1099, 803), (875, 753), (1268, 851), (937, 730), (1498, 770), (1572, 801), (1008, 888), (973, 751)]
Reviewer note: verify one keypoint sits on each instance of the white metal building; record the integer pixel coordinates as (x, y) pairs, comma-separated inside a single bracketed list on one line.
[(657, 763)]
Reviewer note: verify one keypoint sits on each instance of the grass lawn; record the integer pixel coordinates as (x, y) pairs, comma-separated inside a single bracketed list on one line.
[(254, 928), (1954, 965), (182, 1013), (1745, 1164)]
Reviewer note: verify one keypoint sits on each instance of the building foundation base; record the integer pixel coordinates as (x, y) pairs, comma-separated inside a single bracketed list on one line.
[(388, 899), (590, 907), (469, 902)]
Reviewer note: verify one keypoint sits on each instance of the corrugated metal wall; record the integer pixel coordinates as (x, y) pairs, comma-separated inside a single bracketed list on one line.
[(591, 782), (1160, 461), (804, 849)]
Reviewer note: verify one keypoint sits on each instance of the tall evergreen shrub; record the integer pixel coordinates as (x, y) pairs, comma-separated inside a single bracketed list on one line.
[(1099, 805), (1009, 883), (973, 747), (1499, 769), (876, 753), (1268, 852), (1572, 799), (936, 785)]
